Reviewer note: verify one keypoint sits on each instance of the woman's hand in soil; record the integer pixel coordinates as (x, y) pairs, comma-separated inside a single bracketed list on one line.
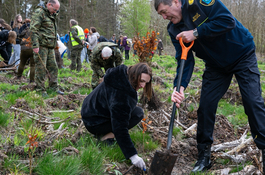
[(138, 162), (178, 97)]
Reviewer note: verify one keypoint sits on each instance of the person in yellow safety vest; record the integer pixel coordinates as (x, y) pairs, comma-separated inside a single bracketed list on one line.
[(77, 38)]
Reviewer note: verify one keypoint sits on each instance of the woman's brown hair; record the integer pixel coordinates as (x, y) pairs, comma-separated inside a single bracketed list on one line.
[(5, 25), (16, 23), (135, 72), (12, 37)]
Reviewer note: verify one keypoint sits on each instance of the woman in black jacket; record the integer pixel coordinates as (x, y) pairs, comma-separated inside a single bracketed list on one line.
[(8, 46), (110, 109), (6, 36)]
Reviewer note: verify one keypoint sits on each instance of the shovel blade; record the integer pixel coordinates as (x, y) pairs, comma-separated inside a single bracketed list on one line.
[(162, 163)]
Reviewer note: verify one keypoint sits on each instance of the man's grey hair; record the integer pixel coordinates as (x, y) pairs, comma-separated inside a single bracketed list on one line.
[(73, 22), (106, 51), (165, 2)]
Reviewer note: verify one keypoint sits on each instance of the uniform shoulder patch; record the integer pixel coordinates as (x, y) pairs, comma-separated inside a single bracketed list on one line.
[(207, 2), (191, 2)]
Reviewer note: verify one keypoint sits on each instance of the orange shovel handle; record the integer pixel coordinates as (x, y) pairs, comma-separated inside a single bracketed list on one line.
[(185, 49)]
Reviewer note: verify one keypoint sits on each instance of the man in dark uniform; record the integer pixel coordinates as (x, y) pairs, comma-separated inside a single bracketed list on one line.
[(44, 41), (106, 55), (228, 49)]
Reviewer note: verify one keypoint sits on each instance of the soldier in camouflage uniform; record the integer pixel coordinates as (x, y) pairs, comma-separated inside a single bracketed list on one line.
[(77, 37), (106, 55), (43, 39)]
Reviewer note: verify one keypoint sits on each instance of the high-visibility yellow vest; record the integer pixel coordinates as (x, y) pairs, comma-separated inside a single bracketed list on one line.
[(80, 34)]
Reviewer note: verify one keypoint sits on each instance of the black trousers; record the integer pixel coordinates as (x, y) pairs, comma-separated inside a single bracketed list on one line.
[(215, 84), (9, 49), (4, 54), (127, 54), (105, 128)]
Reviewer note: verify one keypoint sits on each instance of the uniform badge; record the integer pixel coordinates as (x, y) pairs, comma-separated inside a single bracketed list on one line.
[(207, 2), (191, 2)]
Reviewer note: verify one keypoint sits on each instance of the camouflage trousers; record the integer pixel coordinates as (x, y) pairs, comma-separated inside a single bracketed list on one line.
[(95, 77), (45, 57), (76, 59), (95, 80)]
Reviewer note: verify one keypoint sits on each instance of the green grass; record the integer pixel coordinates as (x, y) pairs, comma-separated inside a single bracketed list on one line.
[(234, 113), (177, 132), (239, 167), (54, 165), (12, 97), (143, 141), (6, 87), (13, 166), (263, 87), (34, 99), (4, 118), (59, 144), (82, 91), (113, 153), (93, 159)]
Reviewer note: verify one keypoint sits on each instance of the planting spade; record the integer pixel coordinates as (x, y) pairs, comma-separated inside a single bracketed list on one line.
[(163, 163)]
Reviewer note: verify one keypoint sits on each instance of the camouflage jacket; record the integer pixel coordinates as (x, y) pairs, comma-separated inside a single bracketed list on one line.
[(97, 61), (43, 28)]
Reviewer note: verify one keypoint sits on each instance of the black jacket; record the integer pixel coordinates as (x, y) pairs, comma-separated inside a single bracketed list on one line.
[(222, 41), (16, 29), (3, 38), (113, 100)]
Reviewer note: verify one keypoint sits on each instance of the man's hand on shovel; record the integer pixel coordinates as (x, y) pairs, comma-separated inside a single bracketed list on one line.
[(178, 97)]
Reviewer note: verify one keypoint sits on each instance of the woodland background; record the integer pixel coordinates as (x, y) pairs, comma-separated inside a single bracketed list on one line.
[(129, 17)]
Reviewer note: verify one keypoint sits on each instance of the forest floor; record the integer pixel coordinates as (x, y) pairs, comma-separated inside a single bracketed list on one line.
[(183, 144)]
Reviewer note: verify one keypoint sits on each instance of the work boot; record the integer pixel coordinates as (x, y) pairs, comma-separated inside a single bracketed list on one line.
[(60, 92), (263, 160), (204, 158)]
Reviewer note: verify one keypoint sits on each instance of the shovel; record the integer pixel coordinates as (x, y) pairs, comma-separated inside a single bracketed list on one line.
[(163, 163)]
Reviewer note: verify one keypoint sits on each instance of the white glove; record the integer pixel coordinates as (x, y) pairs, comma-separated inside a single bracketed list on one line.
[(138, 161)]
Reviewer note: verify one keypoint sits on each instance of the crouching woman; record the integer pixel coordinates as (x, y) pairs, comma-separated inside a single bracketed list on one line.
[(110, 110)]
